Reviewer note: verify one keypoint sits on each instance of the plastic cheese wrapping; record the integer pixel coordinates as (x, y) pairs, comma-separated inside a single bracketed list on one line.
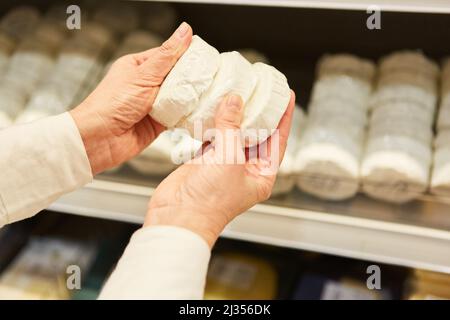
[(285, 181), (398, 151), (6, 47), (19, 22), (170, 149), (78, 65), (33, 59), (440, 178), (202, 77), (330, 148)]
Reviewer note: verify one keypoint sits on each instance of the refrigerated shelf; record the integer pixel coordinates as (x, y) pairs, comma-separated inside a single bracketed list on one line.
[(430, 6), (413, 235)]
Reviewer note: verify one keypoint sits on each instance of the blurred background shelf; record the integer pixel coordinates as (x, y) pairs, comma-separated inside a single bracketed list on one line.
[(430, 6), (413, 235)]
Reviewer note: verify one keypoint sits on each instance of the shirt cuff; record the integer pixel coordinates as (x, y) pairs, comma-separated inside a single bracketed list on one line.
[(40, 161), (160, 262)]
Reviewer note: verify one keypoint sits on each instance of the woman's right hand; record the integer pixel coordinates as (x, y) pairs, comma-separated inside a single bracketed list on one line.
[(206, 193)]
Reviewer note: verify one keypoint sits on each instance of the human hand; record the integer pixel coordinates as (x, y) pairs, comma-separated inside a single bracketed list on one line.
[(113, 120), (206, 193)]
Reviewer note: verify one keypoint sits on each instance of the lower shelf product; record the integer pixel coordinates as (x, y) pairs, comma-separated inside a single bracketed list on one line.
[(39, 271), (426, 285), (235, 276)]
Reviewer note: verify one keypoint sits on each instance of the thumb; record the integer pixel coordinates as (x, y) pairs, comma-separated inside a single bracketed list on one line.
[(228, 140), (158, 62)]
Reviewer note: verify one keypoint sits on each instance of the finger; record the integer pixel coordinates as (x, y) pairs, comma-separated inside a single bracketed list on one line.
[(146, 131), (204, 148), (158, 62), (282, 131), (227, 138)]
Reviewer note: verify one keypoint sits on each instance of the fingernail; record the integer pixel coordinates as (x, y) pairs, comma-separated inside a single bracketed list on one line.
[(182, 30), (234, 101)]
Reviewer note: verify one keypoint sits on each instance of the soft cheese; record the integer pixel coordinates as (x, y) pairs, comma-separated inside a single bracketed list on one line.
[(187, 81), (267, 105), (235, 75)]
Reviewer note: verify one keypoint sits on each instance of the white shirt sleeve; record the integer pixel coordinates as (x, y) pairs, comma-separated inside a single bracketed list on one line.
[(160, 262), (39, 162)]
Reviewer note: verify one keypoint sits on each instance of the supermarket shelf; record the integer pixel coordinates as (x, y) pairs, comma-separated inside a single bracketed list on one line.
[(429, 6), (404, 240)]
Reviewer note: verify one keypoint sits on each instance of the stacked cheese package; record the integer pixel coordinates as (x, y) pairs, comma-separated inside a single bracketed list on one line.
[(79, 60), (15, 28), (20, 22), (398, 152), (440, 179), (286, 174), (330, 148), (6, 48), (170, 149), (80, 64), (202, 77), (285, 181)]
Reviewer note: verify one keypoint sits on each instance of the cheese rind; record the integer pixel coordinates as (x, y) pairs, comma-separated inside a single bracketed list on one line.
[(192, 75), (235, 75), (267, 104)]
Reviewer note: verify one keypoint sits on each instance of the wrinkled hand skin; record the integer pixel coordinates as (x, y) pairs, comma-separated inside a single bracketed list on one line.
[(204, 198), (113, 120)]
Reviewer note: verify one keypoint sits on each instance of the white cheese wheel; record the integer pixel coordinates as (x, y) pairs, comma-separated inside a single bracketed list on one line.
[(443, 121), (4, 60), (192, 75), (169, 150), (402, 110), (346, 64), (442, 139), (416, 130), (156, 159), (440, 179), (410, 148), (348, 89), (408, 60), (12, 101), (285, 181), (26, 70), (398, 183), (395, 168), (235, 75), (405, 93), (327, 171), (267, 105)]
